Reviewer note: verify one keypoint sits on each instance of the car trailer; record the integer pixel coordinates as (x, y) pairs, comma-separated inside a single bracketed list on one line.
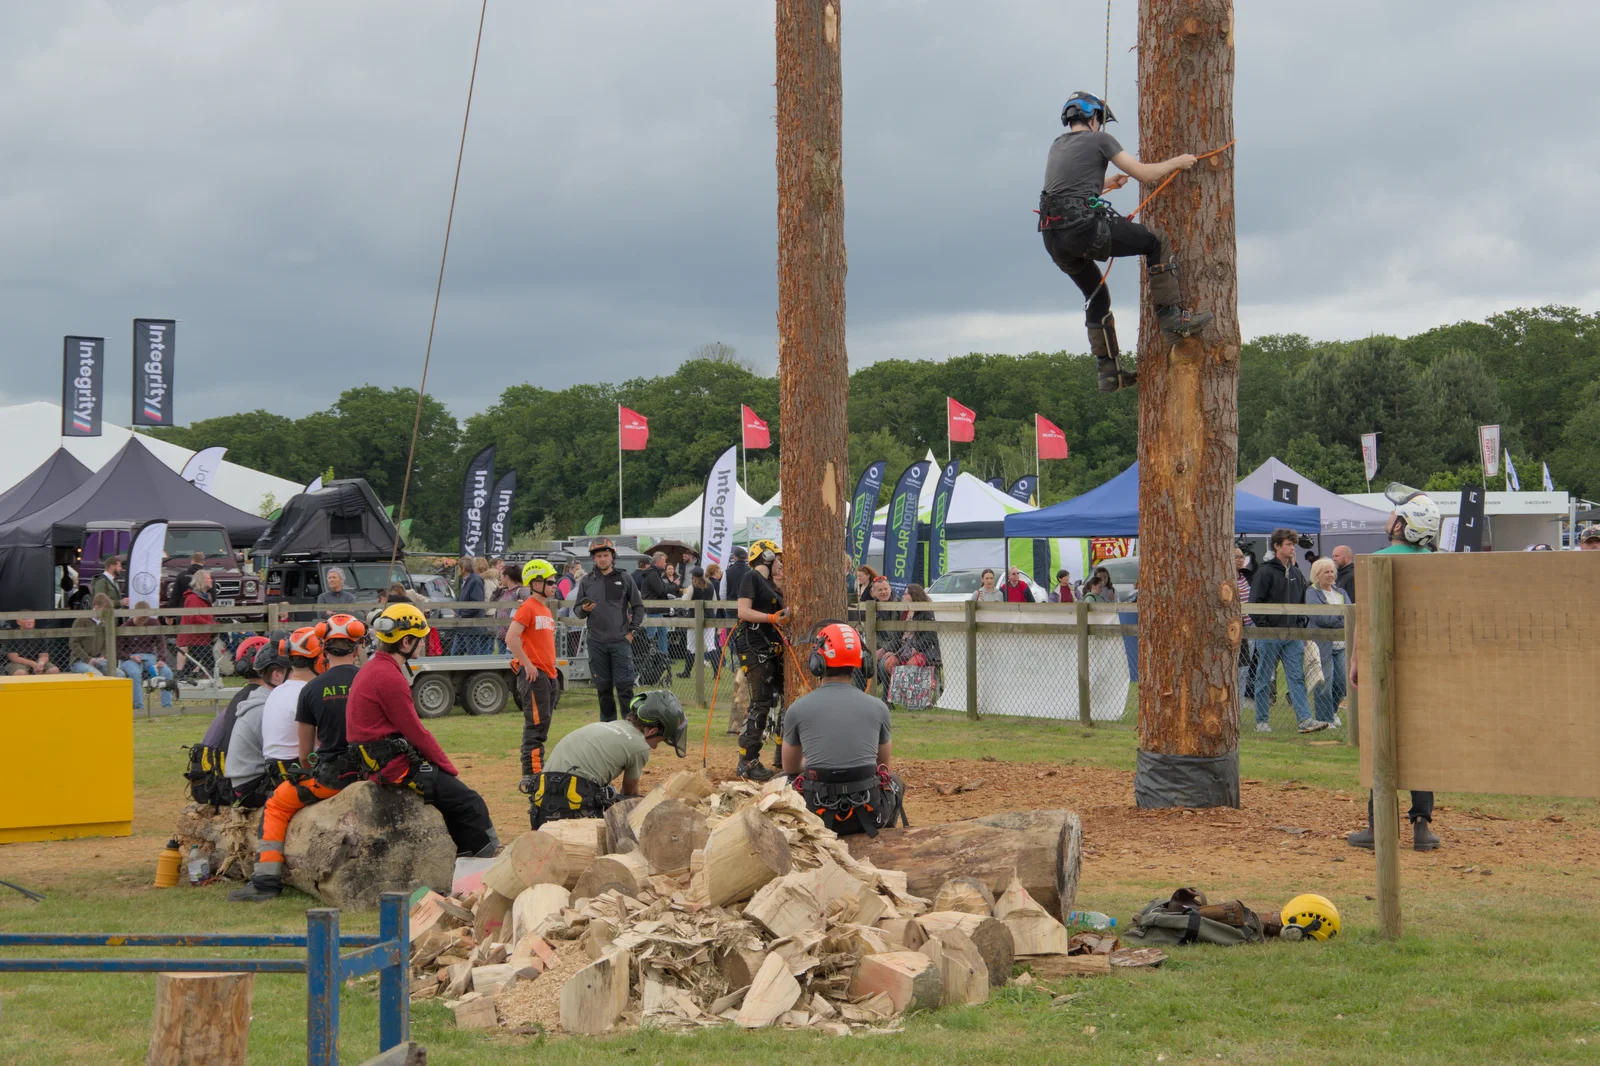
[(482, 684)]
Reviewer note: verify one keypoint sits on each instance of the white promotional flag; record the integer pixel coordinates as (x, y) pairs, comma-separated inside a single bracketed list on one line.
[(1447, 533), (1369, 453), (1549, 486), (1511, 474), (315, 486), (202, 469), (1489, 447), (717, 509), (144, 565)]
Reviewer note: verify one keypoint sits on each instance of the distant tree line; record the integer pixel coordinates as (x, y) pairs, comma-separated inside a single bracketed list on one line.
[(1536, 372)]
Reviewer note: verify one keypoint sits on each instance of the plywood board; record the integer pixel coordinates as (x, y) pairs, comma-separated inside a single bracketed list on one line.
[(1497, 663)]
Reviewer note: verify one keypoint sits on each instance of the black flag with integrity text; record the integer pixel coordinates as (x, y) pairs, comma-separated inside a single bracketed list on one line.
[(476, 489), (154, 350), (83, 362), (500, 513)]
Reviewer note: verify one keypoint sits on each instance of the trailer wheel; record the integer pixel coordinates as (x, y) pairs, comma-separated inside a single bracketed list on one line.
[(433, 695), (485, 692)]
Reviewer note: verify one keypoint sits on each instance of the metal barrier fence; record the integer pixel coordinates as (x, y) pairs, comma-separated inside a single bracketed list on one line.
[(1060, 661), (386, 954)]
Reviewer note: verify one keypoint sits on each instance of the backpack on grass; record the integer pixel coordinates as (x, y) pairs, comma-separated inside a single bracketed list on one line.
[(1186, 918)]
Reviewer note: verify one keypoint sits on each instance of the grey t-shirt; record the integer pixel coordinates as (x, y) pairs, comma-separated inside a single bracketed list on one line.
[(1077, 163), (600, 751), (837, 726), (245, 759)]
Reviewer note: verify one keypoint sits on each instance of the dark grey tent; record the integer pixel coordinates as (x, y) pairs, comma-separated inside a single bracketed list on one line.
[(134, 486), (341, 520), (50, 480)]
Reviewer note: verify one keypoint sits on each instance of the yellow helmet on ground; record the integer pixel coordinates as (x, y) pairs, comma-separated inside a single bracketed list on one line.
[(1312, 917), (764, 552), (398, 621), (537, 570)]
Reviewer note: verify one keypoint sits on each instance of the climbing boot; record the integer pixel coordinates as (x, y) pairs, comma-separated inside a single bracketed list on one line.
[(1176, 321), (1108, 357), (1361, 838), (1423, 838), (752, 770), (260, 889)]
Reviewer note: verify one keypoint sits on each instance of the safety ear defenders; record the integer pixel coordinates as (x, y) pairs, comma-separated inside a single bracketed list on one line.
[(815, 664)]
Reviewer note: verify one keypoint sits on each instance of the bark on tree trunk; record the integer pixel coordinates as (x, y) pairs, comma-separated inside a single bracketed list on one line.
[(1189, 620), (813, 374)]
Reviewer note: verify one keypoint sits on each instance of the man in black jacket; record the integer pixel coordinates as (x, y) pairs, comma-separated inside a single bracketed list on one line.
[(608, 600), (1279, 580), (655, 585), (1345, 560)]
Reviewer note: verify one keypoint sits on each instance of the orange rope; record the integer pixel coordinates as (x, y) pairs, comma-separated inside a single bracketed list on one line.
[(1144, 203), (716, 682)]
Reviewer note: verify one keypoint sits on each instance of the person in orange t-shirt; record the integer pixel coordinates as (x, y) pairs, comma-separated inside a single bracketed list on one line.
[(531, 636)]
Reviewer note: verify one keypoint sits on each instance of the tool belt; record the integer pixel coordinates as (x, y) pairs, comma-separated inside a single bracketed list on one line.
[(281, 770), (1084, 224), (860, 800), (207, 775), (559, 795), (754, 644), (343, 768), (374, 755)]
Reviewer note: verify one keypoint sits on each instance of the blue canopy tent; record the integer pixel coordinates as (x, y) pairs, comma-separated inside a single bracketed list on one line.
[(1112, 510)]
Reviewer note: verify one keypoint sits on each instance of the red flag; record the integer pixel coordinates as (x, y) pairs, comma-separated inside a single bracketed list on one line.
[(755, 430), (960, 419), (633, 429), (1048, 436)]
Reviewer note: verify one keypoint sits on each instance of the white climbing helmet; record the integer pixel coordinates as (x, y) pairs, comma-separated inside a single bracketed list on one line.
[(1417, 513)]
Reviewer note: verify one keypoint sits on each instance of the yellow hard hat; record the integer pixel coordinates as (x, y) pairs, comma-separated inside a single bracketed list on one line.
[(764, 552), (537, 570), (398, 621), (1313, 917)]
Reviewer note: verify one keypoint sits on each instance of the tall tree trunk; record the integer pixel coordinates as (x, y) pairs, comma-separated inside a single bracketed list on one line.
[(813, 374), (1189, 620)]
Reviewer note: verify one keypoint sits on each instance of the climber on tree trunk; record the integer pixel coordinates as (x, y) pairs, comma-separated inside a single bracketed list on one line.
[(1080, 228)]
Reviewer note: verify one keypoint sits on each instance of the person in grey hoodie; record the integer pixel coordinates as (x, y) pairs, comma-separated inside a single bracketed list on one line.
[(247, 762), (613, 608)]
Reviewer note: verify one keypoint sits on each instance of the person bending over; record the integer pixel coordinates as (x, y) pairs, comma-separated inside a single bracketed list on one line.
[(594, 755)]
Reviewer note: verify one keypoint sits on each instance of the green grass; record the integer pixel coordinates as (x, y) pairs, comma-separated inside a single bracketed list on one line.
[(1480, 977)]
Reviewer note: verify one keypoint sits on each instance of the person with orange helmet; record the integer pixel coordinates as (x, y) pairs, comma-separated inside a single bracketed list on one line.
[(280, 739), (320, 746), (836, 741)]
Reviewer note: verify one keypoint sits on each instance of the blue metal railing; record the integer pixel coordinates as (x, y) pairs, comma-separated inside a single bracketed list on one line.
[(326, 970)]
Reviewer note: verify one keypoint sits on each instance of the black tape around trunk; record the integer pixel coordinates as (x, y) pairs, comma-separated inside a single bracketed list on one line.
[(1186, 780)]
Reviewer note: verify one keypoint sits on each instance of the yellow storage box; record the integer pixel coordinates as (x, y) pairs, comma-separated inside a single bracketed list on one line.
[(69, 766)]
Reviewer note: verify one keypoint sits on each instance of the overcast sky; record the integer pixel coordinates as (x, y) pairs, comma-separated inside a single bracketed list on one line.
[(276, 175)]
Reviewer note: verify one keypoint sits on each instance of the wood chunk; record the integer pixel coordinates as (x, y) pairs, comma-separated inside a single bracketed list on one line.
[(1033, 932), (871, 908), (408, 1054), (905, 934), (821, 1008), (669, 834), (626, 873), (830, 881), (487, 979), (963, 969), (730, 1001), (533, 906), (992, 937), (832, 1028), (489, 917), (786, 906), (798, 1018), (1041, 848), (594, 997), (475, 1012), (201, 1018), (429, 946), (583, 840), (909, 978), (773, 992), (623, 837), (685, 785), (533, 858), (743, 853), (739, 966), (459, 981), (429, 914), (598, 937), (1137, 957), (1071, 966), (964, 894)]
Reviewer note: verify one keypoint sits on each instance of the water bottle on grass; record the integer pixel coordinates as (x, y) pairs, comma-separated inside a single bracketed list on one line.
[(1093, 919), (199, 866)]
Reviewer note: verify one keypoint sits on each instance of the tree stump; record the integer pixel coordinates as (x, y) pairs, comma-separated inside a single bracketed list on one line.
[(201, 1019), (367, 840), (670, 834)]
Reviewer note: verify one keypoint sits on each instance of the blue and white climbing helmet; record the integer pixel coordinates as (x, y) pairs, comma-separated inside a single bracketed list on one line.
[(1082, 107)]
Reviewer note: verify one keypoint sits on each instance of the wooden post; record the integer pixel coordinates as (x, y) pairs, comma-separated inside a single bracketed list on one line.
[(1379, 677), (1189, 416), (1084, 715), (1352, 693), (699, 645), (201, 1019), (109, 623), (813, 373), (970, 609)]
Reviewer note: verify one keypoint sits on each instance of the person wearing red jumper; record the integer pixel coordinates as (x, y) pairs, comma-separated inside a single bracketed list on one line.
[(394, 746)]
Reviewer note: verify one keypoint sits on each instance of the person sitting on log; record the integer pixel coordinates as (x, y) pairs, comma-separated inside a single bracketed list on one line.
[(836, 742), (395, 748), (322, 752), (207, 772), (246, 760), (1080, 228), (594, 755)]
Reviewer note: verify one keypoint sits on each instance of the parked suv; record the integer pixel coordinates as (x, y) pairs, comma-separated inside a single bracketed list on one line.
[(230, 587), (302, 580)]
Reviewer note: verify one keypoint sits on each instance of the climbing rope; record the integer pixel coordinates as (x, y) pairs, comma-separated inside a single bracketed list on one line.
[(1142, 204), (427, 355), (1105, 94), (716, 683)]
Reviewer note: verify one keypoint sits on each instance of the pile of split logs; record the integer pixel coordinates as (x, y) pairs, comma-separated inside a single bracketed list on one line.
[(700, 905)]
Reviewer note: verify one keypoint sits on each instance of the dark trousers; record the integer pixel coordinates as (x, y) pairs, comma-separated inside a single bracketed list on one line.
[(1421, 806), (764, 677), (611, 667), (537, 698), (466, 816), (1127, 238)]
